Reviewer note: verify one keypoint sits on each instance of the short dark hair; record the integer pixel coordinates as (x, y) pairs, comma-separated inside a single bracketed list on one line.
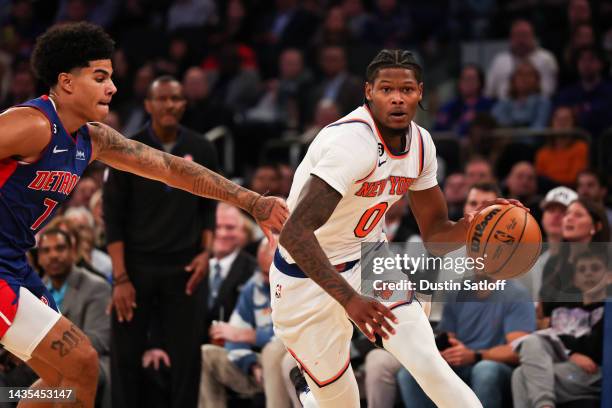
[(394, 59), (602, 179), (487, 187), (164, 79), (599, 252), (65, 47), (55, 231)]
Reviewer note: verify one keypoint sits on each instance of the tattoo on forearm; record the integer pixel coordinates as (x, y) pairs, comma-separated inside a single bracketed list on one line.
[(313, 210), (70, 339), (182, 173)]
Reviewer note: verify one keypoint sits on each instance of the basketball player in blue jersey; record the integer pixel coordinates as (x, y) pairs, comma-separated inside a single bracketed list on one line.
[(45, 145), (353, 171)]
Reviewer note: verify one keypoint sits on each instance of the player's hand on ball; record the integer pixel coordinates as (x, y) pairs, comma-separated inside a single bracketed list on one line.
[(370, 316), (271, 214), (123, 301), (470, 215)]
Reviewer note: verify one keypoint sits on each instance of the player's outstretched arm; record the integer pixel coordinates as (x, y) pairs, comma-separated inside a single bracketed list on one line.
[(315, 206), (114, 149)]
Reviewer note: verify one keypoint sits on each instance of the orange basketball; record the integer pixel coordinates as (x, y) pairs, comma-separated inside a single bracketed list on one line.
[(506, 239)]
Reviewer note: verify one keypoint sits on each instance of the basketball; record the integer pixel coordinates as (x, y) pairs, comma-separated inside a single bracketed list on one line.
[(506, 238)]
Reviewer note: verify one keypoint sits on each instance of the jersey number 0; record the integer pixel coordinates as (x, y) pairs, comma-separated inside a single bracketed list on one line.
[(369, 219)]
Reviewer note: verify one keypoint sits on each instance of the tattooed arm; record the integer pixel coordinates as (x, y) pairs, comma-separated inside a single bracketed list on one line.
[(316, 204), (113, 149)]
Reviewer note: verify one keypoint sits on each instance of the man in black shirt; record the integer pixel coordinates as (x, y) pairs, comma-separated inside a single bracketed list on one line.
[(161, 237)]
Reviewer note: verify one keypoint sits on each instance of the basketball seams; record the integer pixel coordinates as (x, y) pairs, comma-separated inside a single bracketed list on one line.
[(492, 274), (484, 250)]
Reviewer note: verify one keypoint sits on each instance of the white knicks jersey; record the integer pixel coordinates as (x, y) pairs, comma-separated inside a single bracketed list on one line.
[(351, 156)]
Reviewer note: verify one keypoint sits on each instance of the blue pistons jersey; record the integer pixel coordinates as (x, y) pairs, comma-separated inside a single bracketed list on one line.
[(31, 193)]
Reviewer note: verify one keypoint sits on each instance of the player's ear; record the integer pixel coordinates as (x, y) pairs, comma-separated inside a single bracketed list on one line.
[(420, 91), (65, 80), (368, 91)]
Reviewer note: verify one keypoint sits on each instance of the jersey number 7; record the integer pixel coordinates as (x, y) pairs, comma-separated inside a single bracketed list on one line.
[(50, 204)]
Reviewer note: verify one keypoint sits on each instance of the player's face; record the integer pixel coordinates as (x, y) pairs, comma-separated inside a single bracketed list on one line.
[(55, 255), (93, 89), (577, 224), (394, 97)]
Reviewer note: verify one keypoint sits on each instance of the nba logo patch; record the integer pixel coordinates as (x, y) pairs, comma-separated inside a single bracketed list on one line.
[(277, 293), (44, 300)]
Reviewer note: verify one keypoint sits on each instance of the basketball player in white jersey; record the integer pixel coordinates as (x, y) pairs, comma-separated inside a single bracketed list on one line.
[(353, 171)]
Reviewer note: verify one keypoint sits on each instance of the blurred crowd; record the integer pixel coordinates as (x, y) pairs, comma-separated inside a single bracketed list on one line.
[(517, 98)]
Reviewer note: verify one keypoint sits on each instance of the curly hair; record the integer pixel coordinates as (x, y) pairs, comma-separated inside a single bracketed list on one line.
[(393, 59), (68, 46)]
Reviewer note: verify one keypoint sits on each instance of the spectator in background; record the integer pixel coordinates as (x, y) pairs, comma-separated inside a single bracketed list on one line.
[(95, 207), (523, 46), (202, 113), (562, 363), (592, 185), (83, 191), (160, 241), (553, 207), (591, 97), (238, 365), (457, 114), (80, 296), (266, 180), (584, 225), (338, 85), (191, 14), (82, 218), (563, 156), (79, 247), (582, 36), (326, 112), (229, 268), (455, 193), (478, 170), (286, 99), (22, 88), (522, 184), (234, 84), (525, 105), (334, 30), (357, 17), (390, 25), (131, 112)]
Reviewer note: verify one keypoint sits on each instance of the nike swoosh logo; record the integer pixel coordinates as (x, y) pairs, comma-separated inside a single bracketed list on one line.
[(381, 163), (56, 150)]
